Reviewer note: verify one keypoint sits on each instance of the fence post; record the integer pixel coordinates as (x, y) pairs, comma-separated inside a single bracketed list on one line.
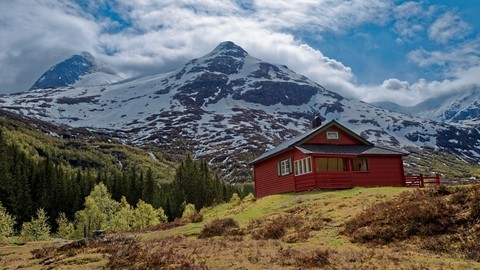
[(421, 181), (437, 178)]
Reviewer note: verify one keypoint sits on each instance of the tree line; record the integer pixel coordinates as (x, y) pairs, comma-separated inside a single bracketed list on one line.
[(27, 185)]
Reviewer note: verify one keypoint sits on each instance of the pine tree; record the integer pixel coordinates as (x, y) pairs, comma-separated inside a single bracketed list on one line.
[(149, 188), (6, 223), (65, 227), (37, 229)]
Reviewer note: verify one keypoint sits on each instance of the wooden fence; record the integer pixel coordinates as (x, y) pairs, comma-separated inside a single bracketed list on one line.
[(421, 180)]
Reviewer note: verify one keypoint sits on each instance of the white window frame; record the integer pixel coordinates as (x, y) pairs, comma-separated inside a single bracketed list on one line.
[(285, 167), (303, 166), (332, 135)]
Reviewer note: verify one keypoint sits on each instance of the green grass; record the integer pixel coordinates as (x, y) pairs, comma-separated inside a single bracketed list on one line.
[(243, 252)]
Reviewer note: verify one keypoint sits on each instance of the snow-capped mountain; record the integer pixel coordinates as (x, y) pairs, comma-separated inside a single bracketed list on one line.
[(78, 70), (458, 107), (230, 107)]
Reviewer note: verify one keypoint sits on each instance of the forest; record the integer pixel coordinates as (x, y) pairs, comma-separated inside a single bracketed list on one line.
[(28, 185)]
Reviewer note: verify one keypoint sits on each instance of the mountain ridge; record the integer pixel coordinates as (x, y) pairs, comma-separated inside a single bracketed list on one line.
[(78, 70), (457, 107), (229, 107)]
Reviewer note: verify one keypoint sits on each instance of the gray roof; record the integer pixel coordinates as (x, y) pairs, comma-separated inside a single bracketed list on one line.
[(348, 150), (299, 140), (285, 146)]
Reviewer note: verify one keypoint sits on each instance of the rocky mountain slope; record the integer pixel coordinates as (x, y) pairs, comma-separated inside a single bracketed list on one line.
[(229, 107), (459, 107), (78, 70)]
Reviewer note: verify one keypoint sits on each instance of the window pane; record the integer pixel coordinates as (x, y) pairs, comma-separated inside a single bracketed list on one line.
[(332, 164), (360, 164), (309, 165), (340, 164), (321, 164)]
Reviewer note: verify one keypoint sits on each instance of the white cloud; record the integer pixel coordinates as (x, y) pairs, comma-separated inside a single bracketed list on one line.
[(35, 34), (447, 27), (162, 35), (319, 16), (407, 94), (461, 56)]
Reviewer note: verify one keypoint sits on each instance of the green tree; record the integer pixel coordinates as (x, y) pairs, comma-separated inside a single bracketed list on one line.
[(189, 211), (100, 208), (123, 219), (38, 229), (145, 215), (6, 223), (65, 227)]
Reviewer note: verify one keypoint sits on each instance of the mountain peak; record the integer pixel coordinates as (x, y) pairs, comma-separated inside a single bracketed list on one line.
[(72, 70), (229, 48)]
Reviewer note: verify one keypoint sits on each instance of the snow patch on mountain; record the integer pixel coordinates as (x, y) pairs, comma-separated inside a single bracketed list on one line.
[(78, 70), (457, 107), (230, 107)]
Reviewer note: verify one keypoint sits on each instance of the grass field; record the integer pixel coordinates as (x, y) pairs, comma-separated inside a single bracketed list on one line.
[(288, 231)]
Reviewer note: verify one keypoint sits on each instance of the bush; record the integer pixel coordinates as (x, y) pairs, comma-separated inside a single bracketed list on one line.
[(309, 258), (219, 227), (443, 220), (6, 223), (190, 214), (412, 214), (235, 199), (290, 228), (249, 198)]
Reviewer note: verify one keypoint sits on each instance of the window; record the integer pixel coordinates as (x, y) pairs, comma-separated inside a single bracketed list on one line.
[(331, 164), (332, 135), (360, 164), (284, 167), (303, 166)]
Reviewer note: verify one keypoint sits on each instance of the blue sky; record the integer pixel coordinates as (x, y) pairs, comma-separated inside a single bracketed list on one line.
[(383, 50)]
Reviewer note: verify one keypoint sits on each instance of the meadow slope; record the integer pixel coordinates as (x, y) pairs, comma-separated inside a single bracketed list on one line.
[(287, 231)]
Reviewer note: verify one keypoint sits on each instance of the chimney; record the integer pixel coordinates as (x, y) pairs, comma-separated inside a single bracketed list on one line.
[(316, 122)]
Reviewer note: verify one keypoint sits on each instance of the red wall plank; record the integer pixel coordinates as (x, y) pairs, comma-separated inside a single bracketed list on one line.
[(343, 138), (268, 182)]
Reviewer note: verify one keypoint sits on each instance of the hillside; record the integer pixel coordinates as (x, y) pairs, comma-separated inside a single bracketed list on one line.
[(288, 231), (80, 148), (457, 107), (229, 107)]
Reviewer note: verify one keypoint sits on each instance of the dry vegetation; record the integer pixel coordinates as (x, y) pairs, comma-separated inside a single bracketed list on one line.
[(442, 220), (361, 228)]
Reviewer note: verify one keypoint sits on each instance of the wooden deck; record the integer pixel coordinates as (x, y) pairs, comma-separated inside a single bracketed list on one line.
[(324, 180)]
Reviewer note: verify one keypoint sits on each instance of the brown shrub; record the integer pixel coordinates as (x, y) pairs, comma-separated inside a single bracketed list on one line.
[(308, 258), (474, 204), (268, 229), (44, 252), (195, 218), (289, 227), (219, 227), (150, 256), (168, 225), (411, 214), (444, 220)]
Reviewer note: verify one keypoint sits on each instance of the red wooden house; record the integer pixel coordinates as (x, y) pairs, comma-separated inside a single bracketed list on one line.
[(328, 156)]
